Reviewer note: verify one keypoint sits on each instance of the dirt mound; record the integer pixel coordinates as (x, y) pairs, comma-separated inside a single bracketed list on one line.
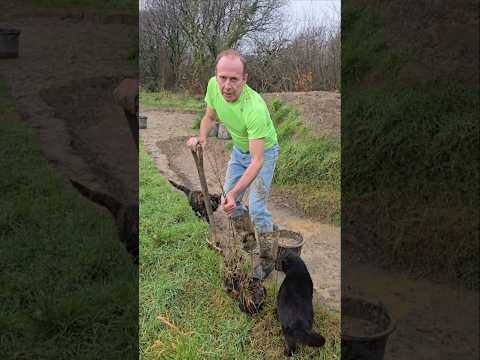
[(320, 110)]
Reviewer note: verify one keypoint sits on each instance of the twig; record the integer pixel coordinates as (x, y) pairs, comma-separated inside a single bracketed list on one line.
[(216, 173), (172, 326), (214, 247)]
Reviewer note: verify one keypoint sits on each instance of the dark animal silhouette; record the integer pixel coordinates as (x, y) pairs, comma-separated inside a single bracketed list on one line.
[(294, 304), (195, 198), (126, 217)]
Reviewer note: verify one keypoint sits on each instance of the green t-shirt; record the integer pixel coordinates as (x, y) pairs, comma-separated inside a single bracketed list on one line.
[(245, 119)]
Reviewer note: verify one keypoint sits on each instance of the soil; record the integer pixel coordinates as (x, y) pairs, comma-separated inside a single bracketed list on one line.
[(165, 139), (62, 84), (319, 110), (289, 240), (434, 320), (436, 331), (359, 327)]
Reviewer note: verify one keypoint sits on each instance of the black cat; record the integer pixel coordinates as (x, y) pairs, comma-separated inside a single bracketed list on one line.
[(294, 304), (195, 198), (126, 217)]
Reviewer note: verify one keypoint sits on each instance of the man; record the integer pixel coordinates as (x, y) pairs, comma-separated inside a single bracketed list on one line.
[(254, 154), (126, 95)]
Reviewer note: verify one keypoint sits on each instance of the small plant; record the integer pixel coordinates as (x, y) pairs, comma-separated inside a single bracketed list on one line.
[(276, 104), (196, 120)]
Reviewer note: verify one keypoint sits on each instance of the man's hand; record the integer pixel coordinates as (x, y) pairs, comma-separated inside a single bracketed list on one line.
[(228, 203), (193, 141)]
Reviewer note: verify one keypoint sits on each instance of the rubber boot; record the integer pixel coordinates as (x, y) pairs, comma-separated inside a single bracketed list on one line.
[(245, 232), (264, 263)]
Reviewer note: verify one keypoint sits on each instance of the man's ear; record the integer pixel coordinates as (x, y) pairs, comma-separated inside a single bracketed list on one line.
[(245, 77)]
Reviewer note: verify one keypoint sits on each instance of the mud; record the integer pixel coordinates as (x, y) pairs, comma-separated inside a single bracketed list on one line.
[(165, 139), (66, 97), (436, 331), (359, 327), (434, 321)]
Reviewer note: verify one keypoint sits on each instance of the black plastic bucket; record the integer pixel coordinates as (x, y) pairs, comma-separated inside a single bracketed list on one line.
[(287, 240), (9, 43), (365, 344), (142, 122)]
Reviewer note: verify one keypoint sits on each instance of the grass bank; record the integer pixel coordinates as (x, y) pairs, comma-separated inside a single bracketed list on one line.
[(409, 153), (69, 290), (308, 167), (170, 100), (184, 312)]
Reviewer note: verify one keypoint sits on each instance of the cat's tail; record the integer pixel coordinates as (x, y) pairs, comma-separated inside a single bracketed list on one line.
[(186, 190), (309, 338)]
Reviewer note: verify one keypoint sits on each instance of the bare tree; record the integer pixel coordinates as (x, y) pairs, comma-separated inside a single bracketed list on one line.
[(195, 31), (160, 21), (214, 25), (181, 39)]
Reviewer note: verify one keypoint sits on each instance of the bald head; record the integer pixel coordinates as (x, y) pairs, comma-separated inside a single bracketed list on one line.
[(232, 54), (230, 74)]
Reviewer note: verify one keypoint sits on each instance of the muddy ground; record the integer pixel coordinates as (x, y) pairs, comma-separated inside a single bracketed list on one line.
[(62, 84), (165, 140), (50, 97), (432, 332)]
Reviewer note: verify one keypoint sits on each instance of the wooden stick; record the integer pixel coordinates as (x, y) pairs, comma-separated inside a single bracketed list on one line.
[(198, 157), (172, 326)]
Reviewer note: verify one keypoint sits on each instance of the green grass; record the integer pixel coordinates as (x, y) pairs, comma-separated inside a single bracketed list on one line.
[(68, 287), (180, 282), (197, 120), (409, 153), (308, 167), (169, 100)]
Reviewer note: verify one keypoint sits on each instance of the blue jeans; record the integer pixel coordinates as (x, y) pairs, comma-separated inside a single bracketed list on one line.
[(259, 188)]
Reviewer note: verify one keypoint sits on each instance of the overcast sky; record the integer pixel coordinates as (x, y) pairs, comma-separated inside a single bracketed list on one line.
[(319, 9)]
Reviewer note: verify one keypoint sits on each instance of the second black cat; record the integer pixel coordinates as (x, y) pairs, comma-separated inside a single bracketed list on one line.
[(195, 198), (294, 304)]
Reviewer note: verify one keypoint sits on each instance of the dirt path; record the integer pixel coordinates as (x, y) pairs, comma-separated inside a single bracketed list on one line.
[(434, 321), (165, 139), (62, 85), (431, 317)]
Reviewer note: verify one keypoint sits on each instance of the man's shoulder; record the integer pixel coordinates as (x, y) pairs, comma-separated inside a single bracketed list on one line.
[(212, 80), (211, 93), (255, 102), (212, 85)]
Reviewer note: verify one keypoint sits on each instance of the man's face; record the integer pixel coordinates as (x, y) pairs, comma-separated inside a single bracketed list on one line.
[(230, 77)]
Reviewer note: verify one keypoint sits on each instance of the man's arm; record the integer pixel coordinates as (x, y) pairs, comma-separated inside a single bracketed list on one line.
[(206, 125), (256, 148), (126, 95)]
